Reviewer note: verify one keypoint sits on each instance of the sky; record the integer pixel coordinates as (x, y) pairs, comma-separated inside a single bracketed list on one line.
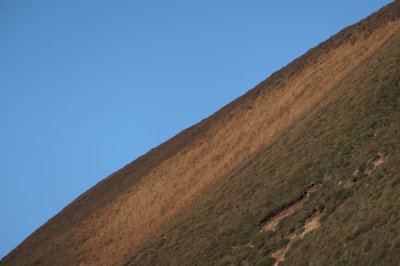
[(88, 86)]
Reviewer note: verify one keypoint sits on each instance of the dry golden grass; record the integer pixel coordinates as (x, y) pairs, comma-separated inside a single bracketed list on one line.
[(143, 209), (356, 121), (108, 235)]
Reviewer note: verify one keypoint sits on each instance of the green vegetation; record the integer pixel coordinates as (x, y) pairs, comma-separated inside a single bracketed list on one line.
[(335, 147), (304, 168)]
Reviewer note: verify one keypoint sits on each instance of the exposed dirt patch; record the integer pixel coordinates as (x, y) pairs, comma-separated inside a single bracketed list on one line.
[(310, 225), (279, 255), (378, 162), (136, 211), (272, 223)]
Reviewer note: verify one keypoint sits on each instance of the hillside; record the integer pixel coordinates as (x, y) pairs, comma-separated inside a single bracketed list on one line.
[(302, 169)]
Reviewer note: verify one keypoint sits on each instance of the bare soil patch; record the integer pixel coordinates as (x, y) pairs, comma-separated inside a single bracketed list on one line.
[(310, 225), (272, 223)]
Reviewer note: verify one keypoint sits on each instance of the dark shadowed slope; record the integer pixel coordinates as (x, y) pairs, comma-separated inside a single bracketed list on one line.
[(203, 196)]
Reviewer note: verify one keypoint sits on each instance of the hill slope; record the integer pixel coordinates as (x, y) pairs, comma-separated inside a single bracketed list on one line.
[(313, 149)]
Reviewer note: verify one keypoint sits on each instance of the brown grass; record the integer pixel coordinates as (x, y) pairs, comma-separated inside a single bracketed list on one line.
[(175, 182), (109, 233), (344, 132)]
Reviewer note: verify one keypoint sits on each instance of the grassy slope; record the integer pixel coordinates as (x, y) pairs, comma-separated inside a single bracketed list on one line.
[(364, 228), (107, 224), (344, 133)]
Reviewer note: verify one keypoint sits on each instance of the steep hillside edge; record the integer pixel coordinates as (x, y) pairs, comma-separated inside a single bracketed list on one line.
[(336, 169), (110, 221)]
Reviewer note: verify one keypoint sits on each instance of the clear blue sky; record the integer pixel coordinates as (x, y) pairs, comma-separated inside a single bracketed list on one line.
[(87, 86)]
